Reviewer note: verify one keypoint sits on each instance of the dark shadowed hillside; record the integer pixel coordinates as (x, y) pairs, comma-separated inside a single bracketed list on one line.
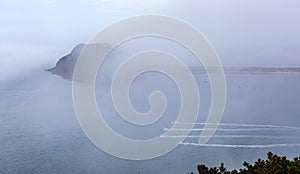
[(65, 65)]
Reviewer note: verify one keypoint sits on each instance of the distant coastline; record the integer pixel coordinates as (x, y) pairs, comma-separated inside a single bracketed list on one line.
[(247, 70), (66, 64)]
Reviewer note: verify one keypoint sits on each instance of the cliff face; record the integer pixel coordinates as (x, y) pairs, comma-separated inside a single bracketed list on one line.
[(65, 65)]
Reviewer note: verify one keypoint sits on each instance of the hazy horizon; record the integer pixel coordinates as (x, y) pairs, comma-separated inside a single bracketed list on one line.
[(35, 34)]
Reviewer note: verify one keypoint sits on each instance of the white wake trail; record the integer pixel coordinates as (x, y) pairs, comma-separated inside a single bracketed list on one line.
[(230, 130), (234, 136), (241, 145), (241, 125)]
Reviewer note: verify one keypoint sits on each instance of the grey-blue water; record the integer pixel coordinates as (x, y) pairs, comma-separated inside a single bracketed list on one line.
[(39, 132)]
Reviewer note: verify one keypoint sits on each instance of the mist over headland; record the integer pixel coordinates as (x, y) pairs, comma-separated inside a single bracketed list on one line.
[(64, 67)]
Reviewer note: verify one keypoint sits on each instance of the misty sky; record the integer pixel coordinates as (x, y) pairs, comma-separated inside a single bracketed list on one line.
[(35, 33)]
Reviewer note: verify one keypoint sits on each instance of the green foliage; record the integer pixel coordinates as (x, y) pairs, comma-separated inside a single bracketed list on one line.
[(273, 165)]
